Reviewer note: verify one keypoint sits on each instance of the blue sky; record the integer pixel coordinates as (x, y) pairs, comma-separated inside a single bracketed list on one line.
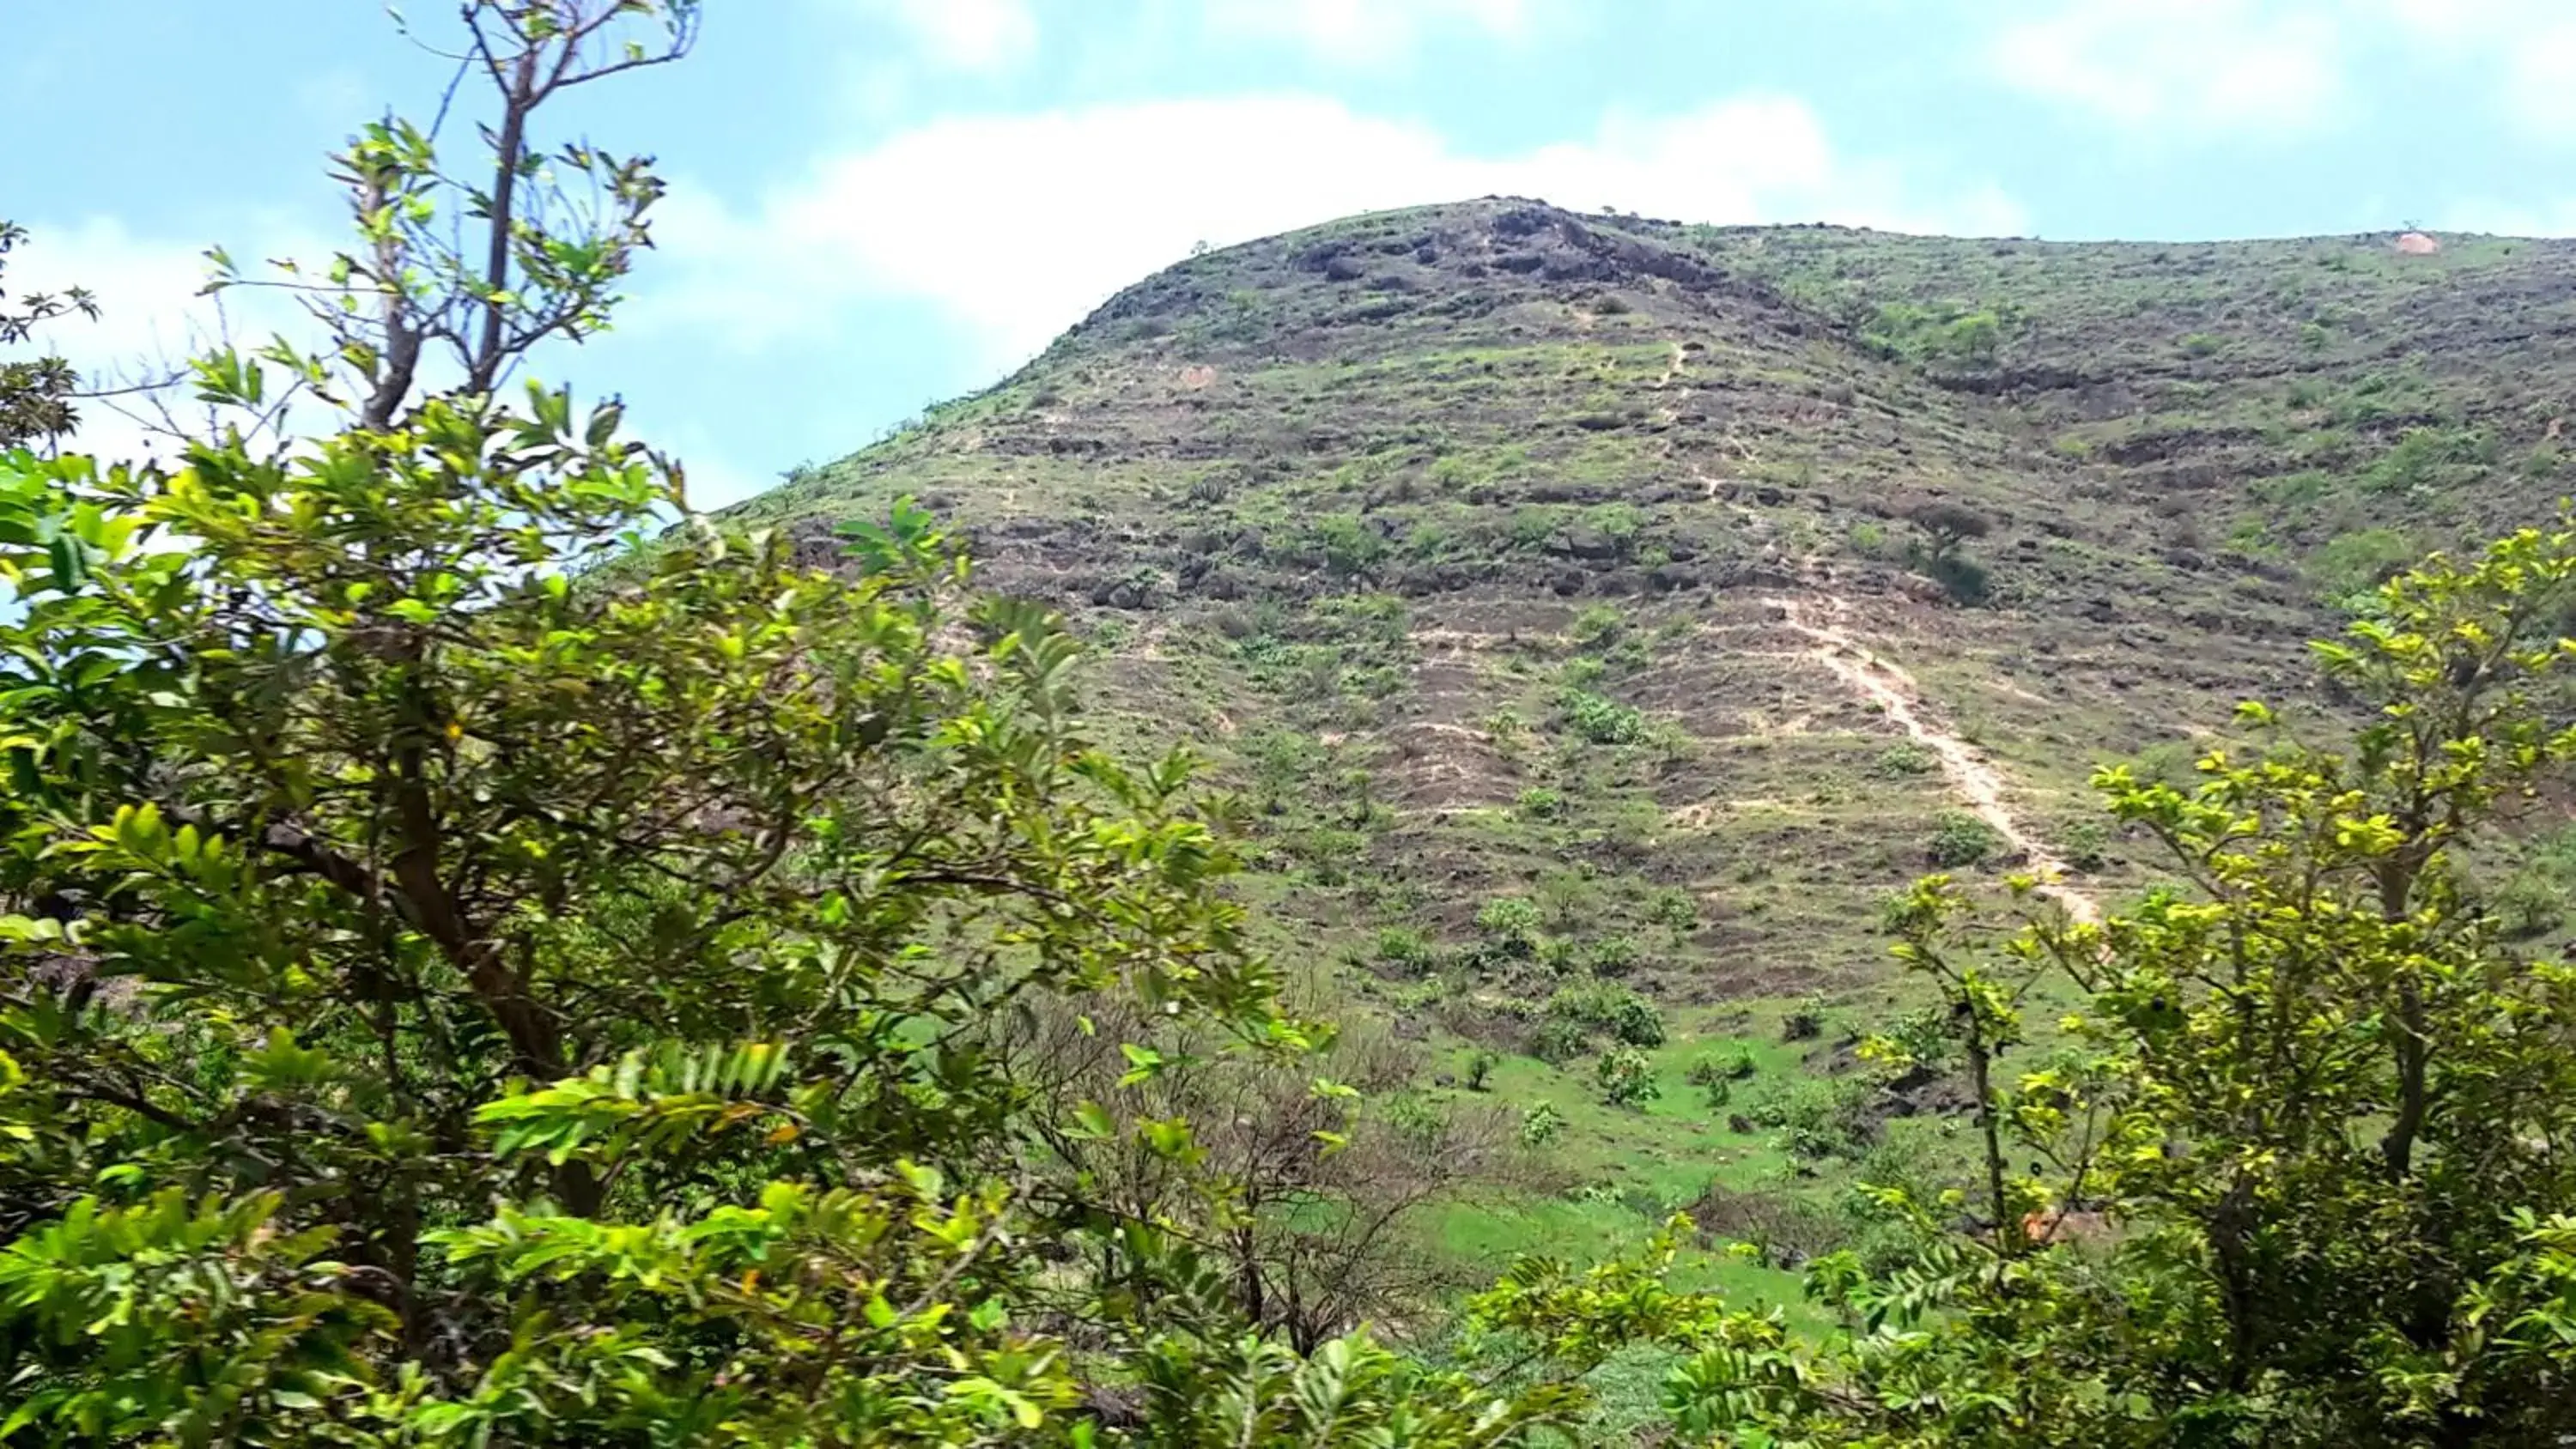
[(877, 203)]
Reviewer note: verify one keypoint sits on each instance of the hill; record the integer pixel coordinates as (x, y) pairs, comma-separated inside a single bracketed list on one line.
[(1600, 604)]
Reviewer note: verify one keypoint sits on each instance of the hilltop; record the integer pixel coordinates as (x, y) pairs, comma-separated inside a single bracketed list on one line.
[(1557, 588), (1380, 482)]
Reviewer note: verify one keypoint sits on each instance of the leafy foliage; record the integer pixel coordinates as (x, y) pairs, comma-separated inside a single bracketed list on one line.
[(1618, 1010), (1962, 839), (36, 394), (2294, 1176), (1600, 720), (486, 965), (1627, 1079)]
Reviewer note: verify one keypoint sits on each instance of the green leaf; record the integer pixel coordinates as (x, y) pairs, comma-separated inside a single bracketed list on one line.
[(1143, 1064)]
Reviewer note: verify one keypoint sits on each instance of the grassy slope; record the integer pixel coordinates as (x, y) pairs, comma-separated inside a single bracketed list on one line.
[(1359, 509)]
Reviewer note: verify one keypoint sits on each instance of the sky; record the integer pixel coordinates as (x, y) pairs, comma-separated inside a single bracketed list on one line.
[(876, 204)]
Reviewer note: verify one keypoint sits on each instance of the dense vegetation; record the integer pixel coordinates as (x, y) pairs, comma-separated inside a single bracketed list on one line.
[(495, 957)]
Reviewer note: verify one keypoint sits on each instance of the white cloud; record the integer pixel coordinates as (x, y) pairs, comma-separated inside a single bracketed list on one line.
[(1370, 32), (153, 312), (2542, 81), (147, 290), (2233, 68), (2530, 44), (1015, 226), (2197, 67), (151, 316), (967, 35)]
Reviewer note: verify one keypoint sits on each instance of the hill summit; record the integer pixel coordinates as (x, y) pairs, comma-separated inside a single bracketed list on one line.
[(1706, 584)]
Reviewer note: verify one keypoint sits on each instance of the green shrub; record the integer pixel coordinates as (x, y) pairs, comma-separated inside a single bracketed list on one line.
[(1903, 761), (1540, 803), (1598, 624), (1565, 898), (1974, 337), (1604, 1006), (1619, 523), (1627, 1079), (2168, 762), (2525, 907), (1560, 956), (2418, 458), (1509, 920), (1731, 1065), (1429, 540), (1636, 1021), (1402, 946), (1816, 1117), (2351, 566), (1534, 527), (1541, 1125), (1945, 330), (1559, 1040), (1804, 1021), (1601, 721), (1330, 854), (2534, 900), (1416, 1117), (1675, 911), (2087, 845), (1921, 1037), (1612, 956), (1963, 579), (2289, 492), (1351, 548), (1960, 840)]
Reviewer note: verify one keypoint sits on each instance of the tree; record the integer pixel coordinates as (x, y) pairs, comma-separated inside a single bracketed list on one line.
[(1297, 1191), (1945, 526), (483, 966), (36, 394), (1943, 529), (2316, 1103)]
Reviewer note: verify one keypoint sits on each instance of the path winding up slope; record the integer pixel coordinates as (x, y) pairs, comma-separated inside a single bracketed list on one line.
[(1979, 784)]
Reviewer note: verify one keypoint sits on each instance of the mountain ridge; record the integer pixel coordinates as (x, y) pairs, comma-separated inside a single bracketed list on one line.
[(1572, 599), (1367, 480)]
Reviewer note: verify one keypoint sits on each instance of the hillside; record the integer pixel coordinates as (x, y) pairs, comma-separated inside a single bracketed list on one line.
[(1504, 555)]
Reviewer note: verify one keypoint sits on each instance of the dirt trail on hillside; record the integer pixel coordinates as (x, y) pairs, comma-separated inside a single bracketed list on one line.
[(1975, 779)]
